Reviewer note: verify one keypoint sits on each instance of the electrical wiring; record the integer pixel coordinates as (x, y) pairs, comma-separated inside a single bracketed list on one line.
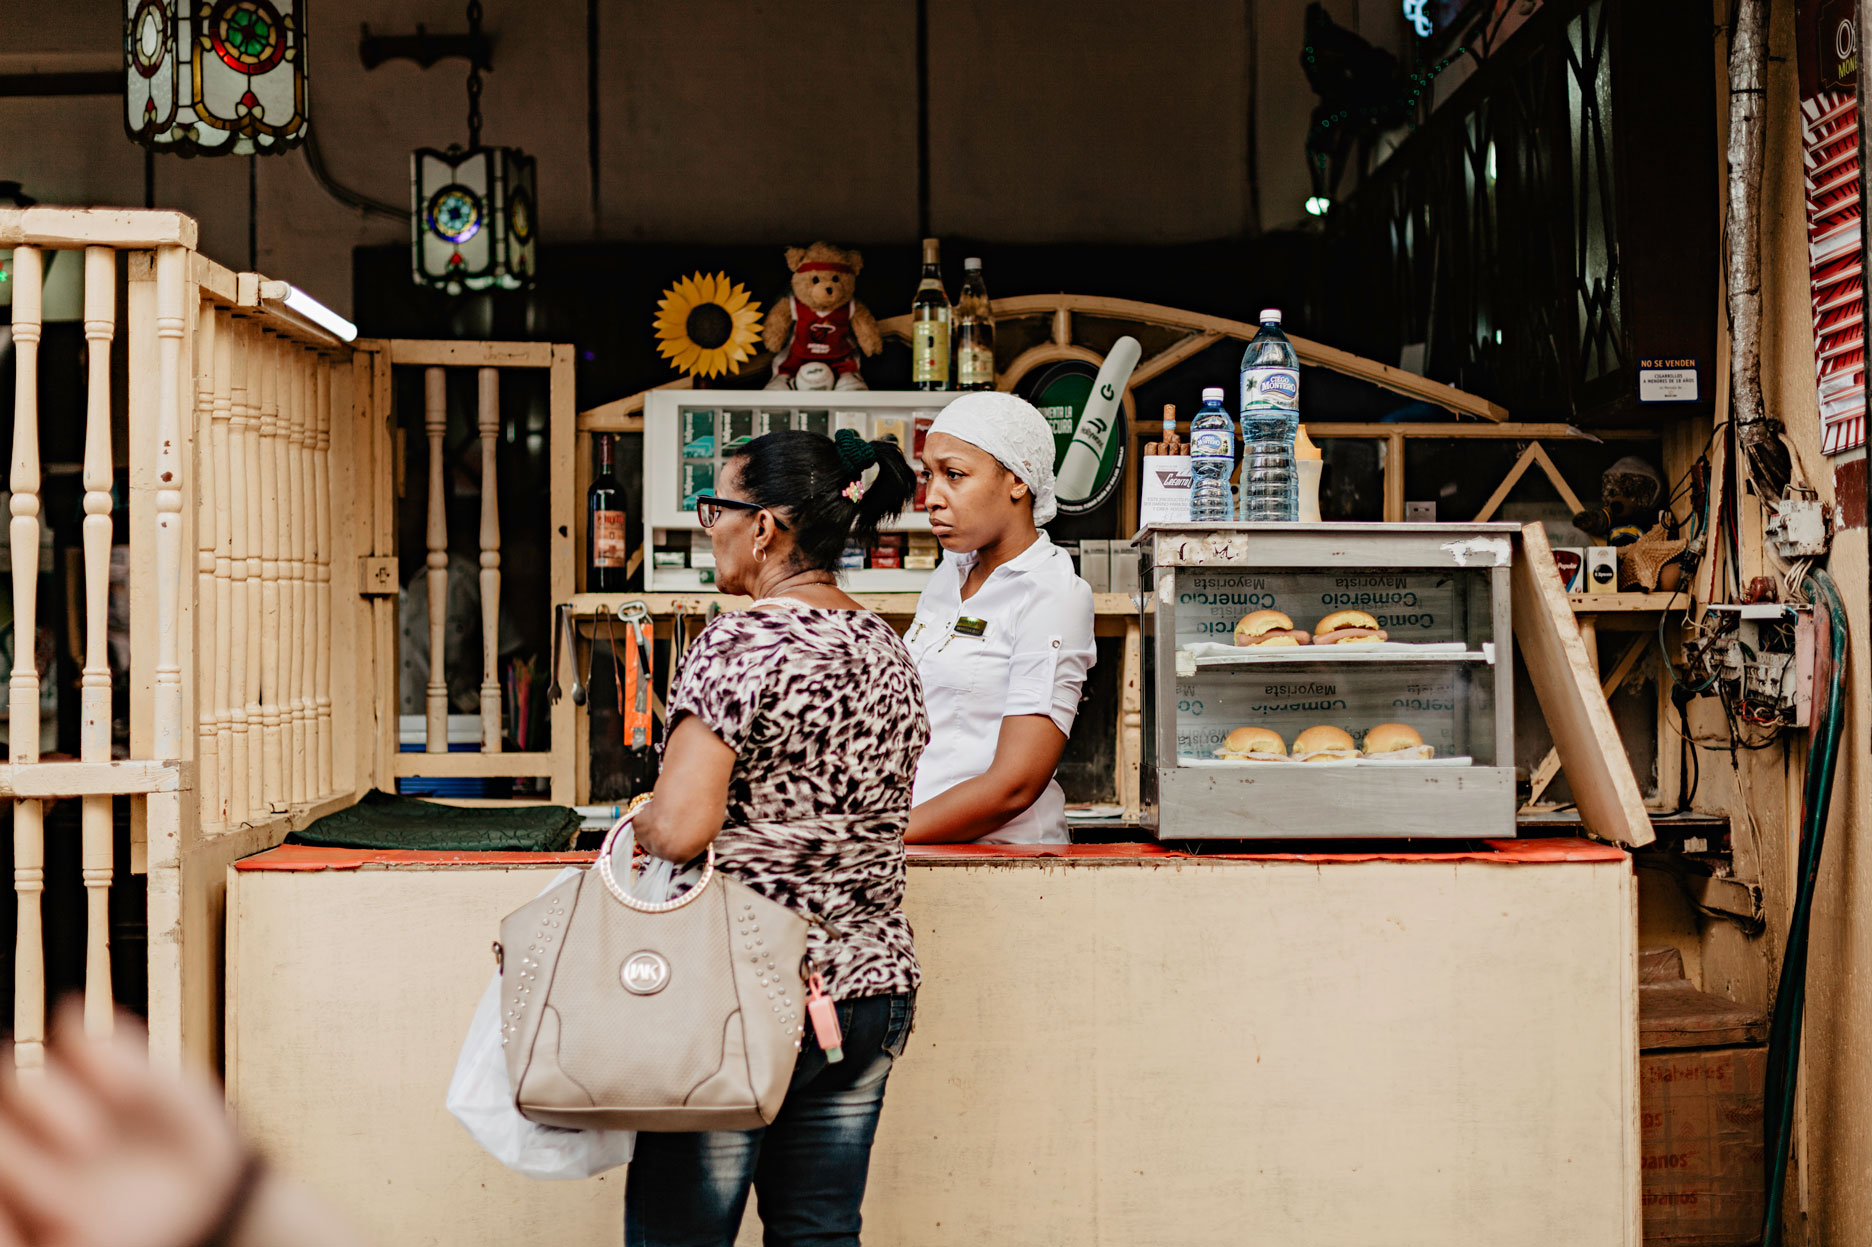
[(1784, 1032)]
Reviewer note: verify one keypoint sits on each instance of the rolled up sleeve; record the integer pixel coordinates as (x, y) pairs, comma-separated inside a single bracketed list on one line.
[(1052, 653)]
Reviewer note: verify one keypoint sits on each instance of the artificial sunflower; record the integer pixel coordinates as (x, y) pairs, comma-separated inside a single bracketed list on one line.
[(705, 324)]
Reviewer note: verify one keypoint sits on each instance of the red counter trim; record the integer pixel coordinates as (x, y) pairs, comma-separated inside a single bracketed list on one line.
[(1500, 852)]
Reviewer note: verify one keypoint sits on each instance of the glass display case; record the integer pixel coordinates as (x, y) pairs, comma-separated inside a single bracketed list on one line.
[(689, 434), (1427, 647)]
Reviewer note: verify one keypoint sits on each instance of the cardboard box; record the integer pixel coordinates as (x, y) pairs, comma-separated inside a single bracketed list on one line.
[(1701, 1146), (1165, 498)]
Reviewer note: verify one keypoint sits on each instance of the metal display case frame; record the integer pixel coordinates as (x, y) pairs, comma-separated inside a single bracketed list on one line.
[(1298, 800)]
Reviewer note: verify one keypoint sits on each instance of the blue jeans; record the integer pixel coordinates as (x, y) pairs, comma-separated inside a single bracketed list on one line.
[(809, 1167)]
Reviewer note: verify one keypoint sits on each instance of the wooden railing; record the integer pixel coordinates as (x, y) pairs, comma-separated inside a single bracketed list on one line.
[(488, 360), (263, 687), (234, 408)]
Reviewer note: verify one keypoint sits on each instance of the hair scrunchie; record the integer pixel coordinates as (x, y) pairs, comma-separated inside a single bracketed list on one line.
[(854, 452)]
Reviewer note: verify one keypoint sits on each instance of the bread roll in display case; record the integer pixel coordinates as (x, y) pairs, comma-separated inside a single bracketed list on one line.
[(1440, 595)]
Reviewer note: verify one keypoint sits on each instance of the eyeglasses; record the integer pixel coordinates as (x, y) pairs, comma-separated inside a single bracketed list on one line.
[(709, 508)]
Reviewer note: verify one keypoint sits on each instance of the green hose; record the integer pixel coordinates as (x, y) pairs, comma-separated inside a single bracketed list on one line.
[(1784, 1033)]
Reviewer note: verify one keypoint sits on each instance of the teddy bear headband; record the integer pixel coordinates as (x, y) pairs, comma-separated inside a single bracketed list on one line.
[(823, 265)]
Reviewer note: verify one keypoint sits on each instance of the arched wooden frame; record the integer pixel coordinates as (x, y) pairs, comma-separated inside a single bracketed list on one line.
[(1201, 333)]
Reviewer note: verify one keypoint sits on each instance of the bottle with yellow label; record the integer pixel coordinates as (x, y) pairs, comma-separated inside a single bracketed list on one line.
[(929, 325), (974, 331)]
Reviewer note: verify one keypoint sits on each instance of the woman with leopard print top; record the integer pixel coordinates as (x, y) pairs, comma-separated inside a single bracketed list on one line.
[(794, 735)]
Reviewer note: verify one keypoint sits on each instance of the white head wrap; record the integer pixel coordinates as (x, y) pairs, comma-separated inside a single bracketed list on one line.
[(1014, 432)]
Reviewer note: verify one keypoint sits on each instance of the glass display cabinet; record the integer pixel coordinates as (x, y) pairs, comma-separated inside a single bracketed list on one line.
[(1438, 593)]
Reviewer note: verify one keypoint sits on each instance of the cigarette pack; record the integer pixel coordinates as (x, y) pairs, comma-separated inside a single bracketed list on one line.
[(1095, 564), (698, 433), (1126, 563), (698, 477), (740, 426), (1601, 569), (819, 422), (892, 427), (1571, 562)]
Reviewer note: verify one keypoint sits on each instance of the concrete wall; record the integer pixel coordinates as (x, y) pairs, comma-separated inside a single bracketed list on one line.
[(739, 121), (1828, 1200)]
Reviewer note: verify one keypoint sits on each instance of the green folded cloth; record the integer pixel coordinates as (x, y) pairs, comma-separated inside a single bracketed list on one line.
[(383, 821)]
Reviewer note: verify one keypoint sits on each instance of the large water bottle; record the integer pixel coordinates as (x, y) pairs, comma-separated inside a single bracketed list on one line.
[(1212, 461), (1270, 416)]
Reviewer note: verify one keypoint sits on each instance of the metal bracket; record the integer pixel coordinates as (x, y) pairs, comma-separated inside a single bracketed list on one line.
[(377, 576), (423, 48)]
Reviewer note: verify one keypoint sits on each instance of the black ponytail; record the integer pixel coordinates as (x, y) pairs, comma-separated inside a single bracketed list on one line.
[(804, 476), (890, 492)]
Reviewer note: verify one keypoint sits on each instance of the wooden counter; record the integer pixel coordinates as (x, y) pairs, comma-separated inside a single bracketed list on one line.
[(1116, 1044)]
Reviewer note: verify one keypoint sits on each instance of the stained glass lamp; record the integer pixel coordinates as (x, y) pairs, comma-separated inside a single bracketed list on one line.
[(473, 224), (215, 77)]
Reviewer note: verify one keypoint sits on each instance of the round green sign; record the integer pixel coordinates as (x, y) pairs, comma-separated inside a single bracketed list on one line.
[(1088, 456)]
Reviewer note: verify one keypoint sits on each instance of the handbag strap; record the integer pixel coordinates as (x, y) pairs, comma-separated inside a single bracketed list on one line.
[(622, 894)]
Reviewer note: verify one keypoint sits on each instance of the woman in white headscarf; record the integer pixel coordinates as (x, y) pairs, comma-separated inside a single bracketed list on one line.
[(1003, 631)]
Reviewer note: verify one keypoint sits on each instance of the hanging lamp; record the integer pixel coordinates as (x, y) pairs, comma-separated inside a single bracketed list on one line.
[(472, 218), (215, 77)]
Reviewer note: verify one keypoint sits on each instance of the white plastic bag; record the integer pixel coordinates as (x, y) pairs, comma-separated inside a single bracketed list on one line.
[(481, 1099)]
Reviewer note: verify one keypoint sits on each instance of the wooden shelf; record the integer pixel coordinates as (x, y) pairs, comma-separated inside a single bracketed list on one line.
[(896, 605), (1626, 603)]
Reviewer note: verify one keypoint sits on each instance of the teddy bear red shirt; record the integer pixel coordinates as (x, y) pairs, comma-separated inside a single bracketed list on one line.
[(822, 338)]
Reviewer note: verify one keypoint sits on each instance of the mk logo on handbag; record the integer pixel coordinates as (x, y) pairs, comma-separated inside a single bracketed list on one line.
[(645, 973)]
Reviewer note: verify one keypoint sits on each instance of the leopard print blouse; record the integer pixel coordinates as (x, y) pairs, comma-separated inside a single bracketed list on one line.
[(824, 711)]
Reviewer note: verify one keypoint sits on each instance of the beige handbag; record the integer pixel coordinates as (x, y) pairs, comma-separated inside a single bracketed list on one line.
[(622, 1014)]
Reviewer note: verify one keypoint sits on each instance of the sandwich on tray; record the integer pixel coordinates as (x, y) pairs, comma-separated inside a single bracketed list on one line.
[(1253, 744), (1268, 628), (1324, 743), (1396, 742), (1347, 628)]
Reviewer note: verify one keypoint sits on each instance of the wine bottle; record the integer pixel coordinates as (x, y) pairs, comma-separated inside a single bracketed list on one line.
[(929, 327), (607, 549), (974, 331)]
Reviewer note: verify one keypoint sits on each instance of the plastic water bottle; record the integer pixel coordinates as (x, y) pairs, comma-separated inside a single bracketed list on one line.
[(1212, 461), (1270, 416)]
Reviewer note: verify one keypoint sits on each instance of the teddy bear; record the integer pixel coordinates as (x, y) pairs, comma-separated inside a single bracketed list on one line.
[(820, 322)]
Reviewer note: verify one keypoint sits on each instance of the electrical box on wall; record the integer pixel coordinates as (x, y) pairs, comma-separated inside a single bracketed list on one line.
[(1797, 528), (688, 435), (1764, 652)]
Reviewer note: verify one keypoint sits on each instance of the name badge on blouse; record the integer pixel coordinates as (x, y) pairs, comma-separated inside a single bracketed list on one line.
[(969, 626)]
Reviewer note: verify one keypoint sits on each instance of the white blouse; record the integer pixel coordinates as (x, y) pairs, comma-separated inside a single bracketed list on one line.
[(1021, 645)]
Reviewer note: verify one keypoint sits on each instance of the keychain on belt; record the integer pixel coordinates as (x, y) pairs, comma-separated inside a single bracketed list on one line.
[(823, 1012)]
